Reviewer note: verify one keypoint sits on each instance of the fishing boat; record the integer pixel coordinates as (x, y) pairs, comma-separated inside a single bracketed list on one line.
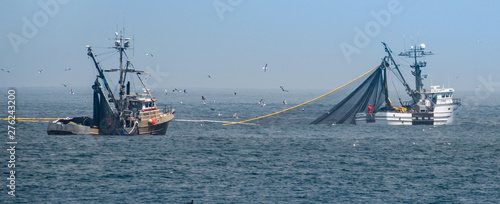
[(369, 103), (125, 113)]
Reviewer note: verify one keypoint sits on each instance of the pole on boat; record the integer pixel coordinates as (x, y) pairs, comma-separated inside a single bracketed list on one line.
[(410, 92)]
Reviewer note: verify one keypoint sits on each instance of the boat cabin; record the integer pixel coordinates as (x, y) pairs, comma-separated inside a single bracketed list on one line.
[(439, 96), (141, 104)]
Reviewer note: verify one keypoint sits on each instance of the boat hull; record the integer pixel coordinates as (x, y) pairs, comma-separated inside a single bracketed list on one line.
[(158, 129), (67, 129), (144, 128), (396, 118)]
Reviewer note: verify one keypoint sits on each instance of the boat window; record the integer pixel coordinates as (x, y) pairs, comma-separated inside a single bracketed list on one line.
[(132, 105)]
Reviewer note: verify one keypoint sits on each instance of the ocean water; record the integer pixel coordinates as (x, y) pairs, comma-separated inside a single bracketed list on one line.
[(280, 159)]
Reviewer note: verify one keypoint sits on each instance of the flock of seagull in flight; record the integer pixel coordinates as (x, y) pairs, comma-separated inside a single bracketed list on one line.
[(262, 102), (41, 70)]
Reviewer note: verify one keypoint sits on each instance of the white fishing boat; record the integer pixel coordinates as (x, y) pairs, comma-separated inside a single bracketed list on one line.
[(370, 103)]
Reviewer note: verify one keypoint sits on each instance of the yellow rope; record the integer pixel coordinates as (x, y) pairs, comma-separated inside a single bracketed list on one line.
[(30, 118), (281, 111)]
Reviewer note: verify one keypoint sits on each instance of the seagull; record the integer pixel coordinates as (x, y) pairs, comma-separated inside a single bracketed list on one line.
[(284, 102), (185, 91), (40, 71), (65, 85), (219, 114), (203, 98), (5, 70), (235, 93), (262, 103), (149, 54), (67, 69), (166, 92), (71, 92), (264, 68), (235, 115), (209, 76), (283, 89)]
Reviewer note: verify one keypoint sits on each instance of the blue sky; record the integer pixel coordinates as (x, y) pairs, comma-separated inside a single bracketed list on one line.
[(301, 41)]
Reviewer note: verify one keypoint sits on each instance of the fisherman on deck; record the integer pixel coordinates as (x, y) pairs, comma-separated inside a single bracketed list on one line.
[(370, 109)]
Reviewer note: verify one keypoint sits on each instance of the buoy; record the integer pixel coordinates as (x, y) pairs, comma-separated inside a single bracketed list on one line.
[(152, 121)]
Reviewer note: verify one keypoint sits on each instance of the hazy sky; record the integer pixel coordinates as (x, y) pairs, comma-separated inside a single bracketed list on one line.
[(306, 44)]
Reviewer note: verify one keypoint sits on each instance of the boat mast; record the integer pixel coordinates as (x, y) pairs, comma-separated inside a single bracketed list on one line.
[(385, 65), (101, 74), (410, 92), (122, 44), (415, 52)]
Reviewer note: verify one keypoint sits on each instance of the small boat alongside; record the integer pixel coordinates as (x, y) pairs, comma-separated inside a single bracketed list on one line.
[(70, 126)]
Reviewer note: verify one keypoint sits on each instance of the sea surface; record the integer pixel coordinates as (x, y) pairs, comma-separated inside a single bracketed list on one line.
[(279, 159)]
